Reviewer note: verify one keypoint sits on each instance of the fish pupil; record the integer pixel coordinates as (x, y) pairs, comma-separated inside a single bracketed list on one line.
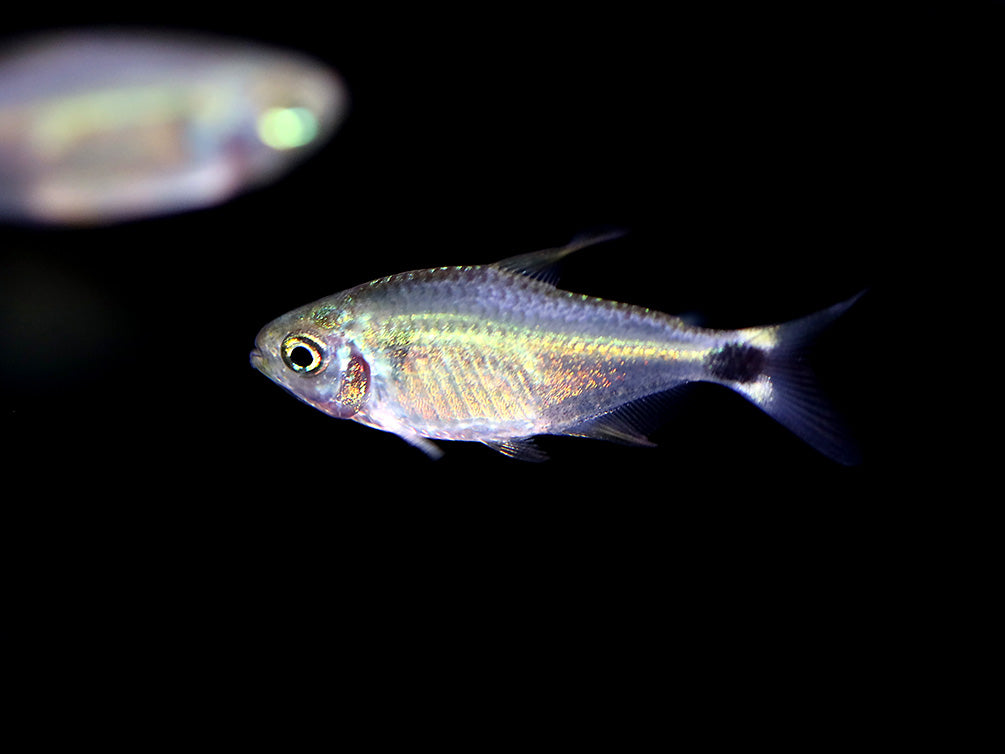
[(301, 357)]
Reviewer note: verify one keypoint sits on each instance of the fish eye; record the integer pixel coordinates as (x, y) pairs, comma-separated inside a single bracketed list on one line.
[(303, 354), (287, 127)]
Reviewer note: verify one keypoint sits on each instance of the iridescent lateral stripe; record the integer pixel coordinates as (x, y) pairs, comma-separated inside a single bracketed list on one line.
[(455, 367)]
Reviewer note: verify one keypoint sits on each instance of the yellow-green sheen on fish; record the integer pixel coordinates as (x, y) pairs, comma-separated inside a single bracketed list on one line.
[(497, 354), (104, 125)]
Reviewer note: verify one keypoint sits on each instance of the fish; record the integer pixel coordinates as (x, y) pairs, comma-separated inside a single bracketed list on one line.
[(498, 354), (100, 126)]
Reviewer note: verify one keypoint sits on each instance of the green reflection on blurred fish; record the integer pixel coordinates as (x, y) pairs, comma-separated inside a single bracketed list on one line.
[(497, 354), (100, 126)]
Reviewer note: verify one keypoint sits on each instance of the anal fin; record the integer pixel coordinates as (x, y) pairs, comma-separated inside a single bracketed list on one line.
[(631, 423)]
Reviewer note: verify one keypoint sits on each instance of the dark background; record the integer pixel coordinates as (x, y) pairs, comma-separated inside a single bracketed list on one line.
[(182, 510)]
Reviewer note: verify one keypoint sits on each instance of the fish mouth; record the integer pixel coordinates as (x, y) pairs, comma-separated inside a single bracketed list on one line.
[(257, 359)]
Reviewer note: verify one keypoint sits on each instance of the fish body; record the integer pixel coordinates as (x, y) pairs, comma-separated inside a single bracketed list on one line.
[(498, 354), (100, 126)]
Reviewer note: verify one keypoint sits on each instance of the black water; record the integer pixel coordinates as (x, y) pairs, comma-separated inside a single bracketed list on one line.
[(176, 508)]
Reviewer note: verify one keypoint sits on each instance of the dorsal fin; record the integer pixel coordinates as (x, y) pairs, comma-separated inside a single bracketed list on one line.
[(542, 265)]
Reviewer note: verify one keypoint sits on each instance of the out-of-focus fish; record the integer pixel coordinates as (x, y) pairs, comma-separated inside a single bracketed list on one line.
[(100, 126), (497, 354)]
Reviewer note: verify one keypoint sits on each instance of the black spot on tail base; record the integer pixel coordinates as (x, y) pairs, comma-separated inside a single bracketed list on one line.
[(736, 362)]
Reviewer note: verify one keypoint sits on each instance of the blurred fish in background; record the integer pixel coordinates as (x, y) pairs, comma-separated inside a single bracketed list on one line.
[(103, 126)]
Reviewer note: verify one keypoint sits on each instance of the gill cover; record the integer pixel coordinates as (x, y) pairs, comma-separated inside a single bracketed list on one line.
[(353, 386)]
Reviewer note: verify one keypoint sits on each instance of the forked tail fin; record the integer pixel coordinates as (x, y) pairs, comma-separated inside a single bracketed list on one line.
[(786, 388)]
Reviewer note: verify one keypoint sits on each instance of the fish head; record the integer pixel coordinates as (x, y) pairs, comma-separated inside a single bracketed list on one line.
[(314, 361), (295, 105)]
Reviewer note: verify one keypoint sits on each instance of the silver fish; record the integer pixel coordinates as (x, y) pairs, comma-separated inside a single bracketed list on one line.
[(497, 354), (100, 126)]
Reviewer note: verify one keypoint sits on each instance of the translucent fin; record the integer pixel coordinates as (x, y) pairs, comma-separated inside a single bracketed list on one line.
[(521, 449), (428, 447), (542, 265), (631, 423), (787, 389)]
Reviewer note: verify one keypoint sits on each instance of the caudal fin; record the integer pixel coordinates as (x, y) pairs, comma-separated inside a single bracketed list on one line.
[(786, 388)]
